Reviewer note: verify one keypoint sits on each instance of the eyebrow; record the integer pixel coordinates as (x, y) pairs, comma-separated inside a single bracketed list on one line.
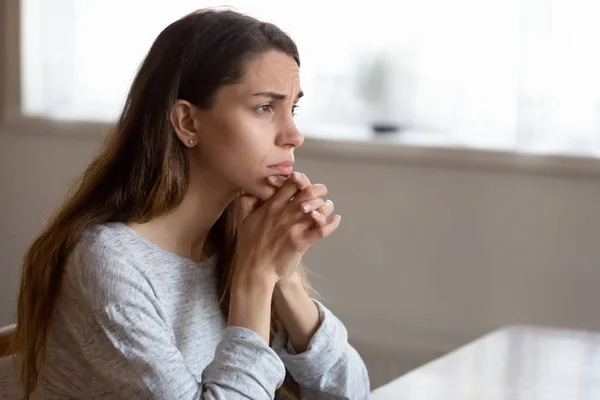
[(277, 96)]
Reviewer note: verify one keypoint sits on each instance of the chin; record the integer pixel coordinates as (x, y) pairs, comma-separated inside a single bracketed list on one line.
[(261, 189)]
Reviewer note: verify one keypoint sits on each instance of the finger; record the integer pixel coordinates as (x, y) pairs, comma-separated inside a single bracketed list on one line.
[(321, 214), (311, 192), (276, 180), (326, 209), (308, 221), (285, 193), (322, 231), (313, 204), (318, 218), (301, 180), (245, 205)]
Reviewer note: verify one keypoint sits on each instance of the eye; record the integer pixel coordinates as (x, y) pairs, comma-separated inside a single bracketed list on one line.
[(265, 108), (294, 108)]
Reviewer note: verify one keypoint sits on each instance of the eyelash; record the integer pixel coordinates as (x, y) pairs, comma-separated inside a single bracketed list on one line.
[(260, 109), (269, 108)]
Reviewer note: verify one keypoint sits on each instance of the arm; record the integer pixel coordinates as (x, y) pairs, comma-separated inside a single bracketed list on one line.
[(250, 303), (319, 358), (129, 347), (131, 354), (296, 311)]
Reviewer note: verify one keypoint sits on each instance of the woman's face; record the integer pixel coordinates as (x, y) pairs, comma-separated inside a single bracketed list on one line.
[(250, 129)]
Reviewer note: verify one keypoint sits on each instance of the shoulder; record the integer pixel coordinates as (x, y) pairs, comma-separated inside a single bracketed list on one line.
[(106, 241), (102, 268), (101, 252)]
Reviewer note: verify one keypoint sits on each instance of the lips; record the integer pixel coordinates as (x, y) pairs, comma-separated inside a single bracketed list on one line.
[(283, 168)]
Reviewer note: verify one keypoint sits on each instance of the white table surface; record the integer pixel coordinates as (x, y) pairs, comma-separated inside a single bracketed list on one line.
[(516, 363)]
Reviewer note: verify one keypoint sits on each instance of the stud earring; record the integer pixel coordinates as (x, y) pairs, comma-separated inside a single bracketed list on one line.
[(190, 142)]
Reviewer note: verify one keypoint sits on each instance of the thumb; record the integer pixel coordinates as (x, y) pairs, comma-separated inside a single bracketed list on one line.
[(245, 205)]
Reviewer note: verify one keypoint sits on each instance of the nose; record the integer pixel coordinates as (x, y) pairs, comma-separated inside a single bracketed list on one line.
[(291, 136)]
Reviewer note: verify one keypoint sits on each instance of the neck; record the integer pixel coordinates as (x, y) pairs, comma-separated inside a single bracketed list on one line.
[(184, 231)]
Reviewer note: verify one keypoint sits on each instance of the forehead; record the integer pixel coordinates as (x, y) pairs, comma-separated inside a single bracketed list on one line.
[(272, 71)]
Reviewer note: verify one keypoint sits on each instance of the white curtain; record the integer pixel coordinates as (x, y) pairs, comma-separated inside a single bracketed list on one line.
[(515, 74)]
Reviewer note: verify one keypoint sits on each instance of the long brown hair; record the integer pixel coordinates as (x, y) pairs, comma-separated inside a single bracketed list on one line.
[(142, 170)]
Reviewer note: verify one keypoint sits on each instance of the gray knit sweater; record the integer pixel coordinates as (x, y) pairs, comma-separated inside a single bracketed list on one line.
[(136, 322)]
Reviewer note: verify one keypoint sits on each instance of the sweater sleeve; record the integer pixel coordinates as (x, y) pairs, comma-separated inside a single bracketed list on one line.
[(132, 353), (330, 368)]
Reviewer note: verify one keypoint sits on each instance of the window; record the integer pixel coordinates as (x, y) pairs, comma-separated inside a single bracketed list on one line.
[(508, 74)]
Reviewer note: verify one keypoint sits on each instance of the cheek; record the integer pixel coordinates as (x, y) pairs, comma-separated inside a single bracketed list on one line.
[(251, 139), (239, 147)]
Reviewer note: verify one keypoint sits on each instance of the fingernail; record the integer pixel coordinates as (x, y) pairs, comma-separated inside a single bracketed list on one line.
[(272, 179), (317, 214), (338, 218), (329, 202), (306, 207), (297, 175)]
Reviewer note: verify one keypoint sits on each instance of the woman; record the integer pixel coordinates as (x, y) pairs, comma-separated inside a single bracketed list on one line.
[(158, 278)]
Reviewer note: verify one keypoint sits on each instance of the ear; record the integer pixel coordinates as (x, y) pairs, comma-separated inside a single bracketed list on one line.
[(184, 118)]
